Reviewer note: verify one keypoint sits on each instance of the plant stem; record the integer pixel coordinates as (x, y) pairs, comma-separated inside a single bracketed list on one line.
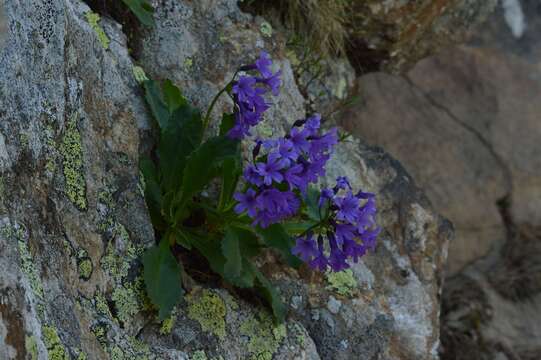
[(209, 111), (206, 120)]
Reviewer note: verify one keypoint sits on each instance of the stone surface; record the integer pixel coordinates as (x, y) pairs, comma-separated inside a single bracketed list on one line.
[(73, 222), (461, 175), (393, 35), (465, 123)]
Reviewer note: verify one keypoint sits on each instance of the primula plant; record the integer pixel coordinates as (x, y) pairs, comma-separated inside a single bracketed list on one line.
[(265, 196)]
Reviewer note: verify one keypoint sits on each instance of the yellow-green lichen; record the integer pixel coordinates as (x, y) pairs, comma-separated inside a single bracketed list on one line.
[(188, 63), (81, 355), (199, 355), (117, 353), (266, 29), (55, 349), (84, 265), (72, 151), (27, 263), (167, 324), (209, 310), (100, 332), (25, 140), (126, 301), (342, 283), (50, 166), (299, 334), (101, 305), (93, 19), (264, 336), (31, 347), (139, 74)]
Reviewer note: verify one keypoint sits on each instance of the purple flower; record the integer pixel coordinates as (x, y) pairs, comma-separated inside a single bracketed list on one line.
[(305, 248), (249, 98), (244, 88), (313, 124), (342, 183), (293, 179), (263, 64), (273, 82), (270, 171), (247, 202), (350, 228), (275, 206), (298, 139), (320, 262), (252, 176), (348, 207)]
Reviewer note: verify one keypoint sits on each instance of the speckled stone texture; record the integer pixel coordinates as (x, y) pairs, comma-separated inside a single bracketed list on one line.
[(73, 222)]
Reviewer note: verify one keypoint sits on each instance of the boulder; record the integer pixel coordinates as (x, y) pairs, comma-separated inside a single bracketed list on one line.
[(73, 221)]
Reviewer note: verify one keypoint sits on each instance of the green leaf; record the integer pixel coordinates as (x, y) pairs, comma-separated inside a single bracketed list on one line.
[(228, 121), (211, 249), (202, 166), (271, 295), (179, 139), (312, 203), (275, 236), (142, 10), (161, 273), (231, 252), (153, 196), (173, 97), (154, 98), (238, 246), (232, 169)]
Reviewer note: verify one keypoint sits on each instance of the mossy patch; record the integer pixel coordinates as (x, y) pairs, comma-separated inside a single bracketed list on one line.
[(55, 348), (72, 152), (167, 324), (342, 283), (84, 265), (199, 355), (128, 299), (139, 74), (209, 310), (31, 347), (94, 19), (266, 29), (28, 265), (264, 336)]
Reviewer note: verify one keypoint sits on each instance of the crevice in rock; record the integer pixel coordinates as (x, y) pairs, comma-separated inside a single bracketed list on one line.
[(119, 12), (505, 169)]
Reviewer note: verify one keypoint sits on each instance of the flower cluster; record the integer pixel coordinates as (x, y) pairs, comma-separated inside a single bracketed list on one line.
[(348, 224), (248, 94), (283, 171)]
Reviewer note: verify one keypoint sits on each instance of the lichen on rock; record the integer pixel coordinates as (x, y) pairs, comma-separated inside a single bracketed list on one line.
[(264, 336), (55, 348), (93, 19), (342, 283), (209, 310), (72, 152)]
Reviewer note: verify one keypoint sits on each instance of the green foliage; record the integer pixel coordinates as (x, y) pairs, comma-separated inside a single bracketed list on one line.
[(181, 168), (142, 10), (275, 236), (162, 278)]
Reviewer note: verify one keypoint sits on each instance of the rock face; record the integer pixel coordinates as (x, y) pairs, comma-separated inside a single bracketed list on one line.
[(393, 35), (74, 223), (465, 123)]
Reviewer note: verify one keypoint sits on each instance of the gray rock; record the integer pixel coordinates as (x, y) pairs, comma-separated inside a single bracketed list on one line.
[(74, 223)]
